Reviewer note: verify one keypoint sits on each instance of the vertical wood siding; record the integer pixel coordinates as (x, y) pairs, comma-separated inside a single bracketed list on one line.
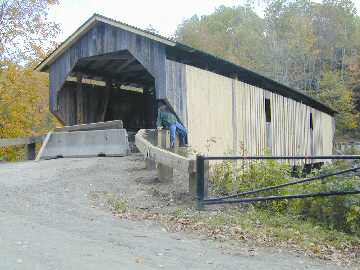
[(176, 89), (210, 115), (127, 106), (92, 100), (209, 104), (290, 127), (251, 124)]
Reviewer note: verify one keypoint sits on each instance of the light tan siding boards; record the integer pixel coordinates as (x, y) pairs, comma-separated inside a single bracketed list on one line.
[(291, 129), (323, 133), (251, 125), (212, 119), (209, 103)]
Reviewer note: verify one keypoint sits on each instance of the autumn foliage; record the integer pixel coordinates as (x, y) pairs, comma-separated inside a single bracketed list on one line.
[(25, 36)]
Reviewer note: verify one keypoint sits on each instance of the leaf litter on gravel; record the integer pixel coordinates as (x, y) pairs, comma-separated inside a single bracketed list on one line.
[(223, 226)]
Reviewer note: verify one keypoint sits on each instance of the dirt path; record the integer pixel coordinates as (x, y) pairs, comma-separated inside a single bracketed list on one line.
[(48, 221)]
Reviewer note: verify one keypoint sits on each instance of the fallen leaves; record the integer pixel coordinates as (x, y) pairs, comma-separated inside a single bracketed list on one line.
[(205, 224)]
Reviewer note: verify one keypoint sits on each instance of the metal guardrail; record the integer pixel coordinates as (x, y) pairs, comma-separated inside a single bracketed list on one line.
[(202, 170), (29, 142)]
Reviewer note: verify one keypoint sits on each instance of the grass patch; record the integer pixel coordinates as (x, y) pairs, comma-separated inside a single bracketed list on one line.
[(283, 228), (118, 206)]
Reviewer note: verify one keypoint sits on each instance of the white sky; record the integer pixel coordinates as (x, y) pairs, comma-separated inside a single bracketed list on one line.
[(163, 15)]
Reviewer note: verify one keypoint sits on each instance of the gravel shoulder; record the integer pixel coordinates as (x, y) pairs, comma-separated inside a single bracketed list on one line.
[(53, 215)]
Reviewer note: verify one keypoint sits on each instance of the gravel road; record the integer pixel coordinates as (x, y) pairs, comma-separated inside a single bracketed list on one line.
[(48, 221)]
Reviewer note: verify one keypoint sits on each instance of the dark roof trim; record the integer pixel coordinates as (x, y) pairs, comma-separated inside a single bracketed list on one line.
[(201, 59)]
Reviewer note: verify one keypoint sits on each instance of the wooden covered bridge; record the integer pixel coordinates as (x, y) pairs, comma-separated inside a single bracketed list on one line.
[(108, 70)]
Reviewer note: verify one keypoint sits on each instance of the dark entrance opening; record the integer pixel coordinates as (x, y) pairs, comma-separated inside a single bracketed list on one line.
[(113, 86)]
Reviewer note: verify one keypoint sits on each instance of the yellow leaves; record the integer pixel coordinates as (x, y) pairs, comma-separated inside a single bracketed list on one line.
[(24, 27), (23, 104)]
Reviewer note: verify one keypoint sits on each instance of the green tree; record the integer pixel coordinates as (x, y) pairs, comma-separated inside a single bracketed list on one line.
[(233, 33), (334, 92), (298, 42)]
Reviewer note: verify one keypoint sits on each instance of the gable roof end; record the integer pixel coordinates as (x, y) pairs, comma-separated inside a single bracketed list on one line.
[(44, 65)]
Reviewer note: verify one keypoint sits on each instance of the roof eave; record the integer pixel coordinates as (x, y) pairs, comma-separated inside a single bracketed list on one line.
[(291, 92)]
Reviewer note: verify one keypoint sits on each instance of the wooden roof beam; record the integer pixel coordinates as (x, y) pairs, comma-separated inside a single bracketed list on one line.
[(126, 64)]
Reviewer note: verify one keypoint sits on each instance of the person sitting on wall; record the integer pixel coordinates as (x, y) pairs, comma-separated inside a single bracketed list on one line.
[(166, 119)]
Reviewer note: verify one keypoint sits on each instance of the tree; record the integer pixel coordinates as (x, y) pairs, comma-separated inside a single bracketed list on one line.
[(23, 105), (25, 36), (25, 31), (236, 34), (335, 93), (298, 43)]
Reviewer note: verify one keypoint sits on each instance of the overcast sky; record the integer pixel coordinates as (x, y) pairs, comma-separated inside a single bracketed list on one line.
[(163, 15)]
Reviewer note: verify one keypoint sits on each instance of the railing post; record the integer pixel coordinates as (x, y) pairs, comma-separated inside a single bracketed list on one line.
[(165, 173), (30, 151), (200, 185)]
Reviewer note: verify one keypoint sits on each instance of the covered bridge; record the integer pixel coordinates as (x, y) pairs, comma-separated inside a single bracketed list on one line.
[(109, 70)]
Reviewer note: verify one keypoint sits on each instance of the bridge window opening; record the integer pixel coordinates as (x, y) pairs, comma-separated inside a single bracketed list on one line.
[(267, 110), (311, 122)]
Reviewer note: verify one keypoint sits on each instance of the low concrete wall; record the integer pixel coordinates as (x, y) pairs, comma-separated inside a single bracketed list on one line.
[(110, 142), (115, 124), (166, 160)]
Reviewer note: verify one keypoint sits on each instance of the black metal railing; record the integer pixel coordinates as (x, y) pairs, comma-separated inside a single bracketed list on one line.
[(202, 168)]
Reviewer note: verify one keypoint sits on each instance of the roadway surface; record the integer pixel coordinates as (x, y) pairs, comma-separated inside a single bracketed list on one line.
[(47, 221)]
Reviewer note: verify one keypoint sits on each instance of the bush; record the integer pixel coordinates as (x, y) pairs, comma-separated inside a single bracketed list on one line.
[(336, 212), (249, 176)]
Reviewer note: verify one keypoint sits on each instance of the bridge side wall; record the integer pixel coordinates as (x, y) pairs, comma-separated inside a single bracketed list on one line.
[(175, 91), (228, 116)]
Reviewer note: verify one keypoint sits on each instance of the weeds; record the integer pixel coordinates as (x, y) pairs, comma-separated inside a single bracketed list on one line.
[(340, 213), (119, 206)]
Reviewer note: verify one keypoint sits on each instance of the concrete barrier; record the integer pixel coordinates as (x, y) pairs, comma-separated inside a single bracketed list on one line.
[(115, 124), (109, 142), (166, 160)]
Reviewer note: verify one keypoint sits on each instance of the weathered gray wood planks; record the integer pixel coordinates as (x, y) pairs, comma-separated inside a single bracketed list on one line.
[(104, 38)]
